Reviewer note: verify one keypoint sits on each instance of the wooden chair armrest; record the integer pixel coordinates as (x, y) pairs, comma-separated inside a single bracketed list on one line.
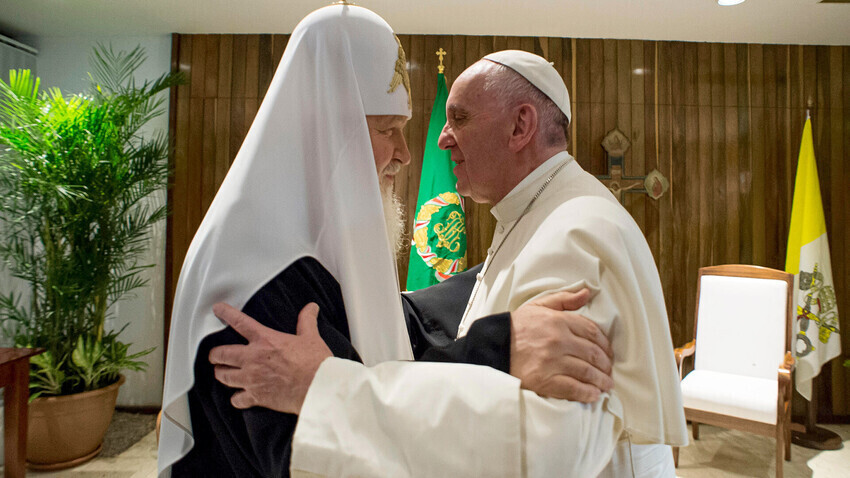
[(789, 363), (684, 351), (784, 371)]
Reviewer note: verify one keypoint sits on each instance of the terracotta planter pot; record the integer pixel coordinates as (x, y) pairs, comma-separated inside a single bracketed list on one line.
[(68, 430)]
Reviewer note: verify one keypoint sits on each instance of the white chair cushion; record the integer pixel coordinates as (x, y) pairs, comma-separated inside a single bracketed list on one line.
[(734, 395), (741, 325)]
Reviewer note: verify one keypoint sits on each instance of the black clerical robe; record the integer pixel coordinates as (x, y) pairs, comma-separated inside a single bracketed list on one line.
[(258, 442)]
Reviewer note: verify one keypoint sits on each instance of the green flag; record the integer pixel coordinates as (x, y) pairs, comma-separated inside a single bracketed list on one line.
[(439, 229)]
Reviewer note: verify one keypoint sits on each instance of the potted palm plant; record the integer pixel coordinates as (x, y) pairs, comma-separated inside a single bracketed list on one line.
[(76, 211)]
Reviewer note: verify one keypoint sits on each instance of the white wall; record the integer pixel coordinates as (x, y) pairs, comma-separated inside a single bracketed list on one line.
[(12, 58), (63, 63)]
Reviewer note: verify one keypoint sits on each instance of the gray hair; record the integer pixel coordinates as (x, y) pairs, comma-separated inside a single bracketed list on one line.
[(512, 89)]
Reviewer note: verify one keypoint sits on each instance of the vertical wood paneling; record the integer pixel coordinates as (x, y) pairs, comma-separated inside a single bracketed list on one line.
[(678, 313), (225, 66), (222, 140), (745, 166), (239, 68), (666, 76), (692, 208), (774, 245), (211, 69), (706, 225), (581, 115), (732, 233), (838, 169), (721, 121), (198, 62), (278, 45), (718, 155), (208, 155), (757, 135), (252, 66), (596, 87), (841, 239), (266, 63)]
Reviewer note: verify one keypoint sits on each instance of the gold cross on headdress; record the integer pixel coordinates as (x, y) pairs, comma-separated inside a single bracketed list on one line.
[(440, 53)]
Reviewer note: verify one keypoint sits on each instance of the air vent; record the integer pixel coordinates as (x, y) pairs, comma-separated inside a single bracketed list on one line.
[(834, 1)]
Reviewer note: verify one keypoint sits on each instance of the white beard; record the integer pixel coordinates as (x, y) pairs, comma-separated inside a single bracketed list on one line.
[(394, 217)]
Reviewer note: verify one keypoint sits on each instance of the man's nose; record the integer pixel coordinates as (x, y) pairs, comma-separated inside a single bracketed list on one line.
[(446, 139), (402, 152)]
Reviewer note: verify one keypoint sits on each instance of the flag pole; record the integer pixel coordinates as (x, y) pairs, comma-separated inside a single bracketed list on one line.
[(809, 435), (813, 436)]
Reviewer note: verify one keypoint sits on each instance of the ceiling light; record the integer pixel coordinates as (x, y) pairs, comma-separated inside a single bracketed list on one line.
[(726, 3)]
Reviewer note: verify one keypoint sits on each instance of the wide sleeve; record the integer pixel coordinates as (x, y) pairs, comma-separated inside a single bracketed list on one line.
[(401, 419), (256, 442), (602, 248)]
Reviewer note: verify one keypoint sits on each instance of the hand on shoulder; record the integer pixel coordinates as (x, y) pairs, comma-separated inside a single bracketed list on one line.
[(558, 353)]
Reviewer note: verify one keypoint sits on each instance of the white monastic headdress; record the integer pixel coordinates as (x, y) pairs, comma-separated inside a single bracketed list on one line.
[(303, 184)]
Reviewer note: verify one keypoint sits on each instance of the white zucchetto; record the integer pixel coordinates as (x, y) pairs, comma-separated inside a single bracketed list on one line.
[(538, 72)]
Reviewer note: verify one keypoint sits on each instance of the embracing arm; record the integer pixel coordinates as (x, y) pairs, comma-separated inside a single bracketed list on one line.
[(430, 419), (554, 351), (461, 418), (446, 418)]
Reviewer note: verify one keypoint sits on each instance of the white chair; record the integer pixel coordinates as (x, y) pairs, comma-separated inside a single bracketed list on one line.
[(742, 354)]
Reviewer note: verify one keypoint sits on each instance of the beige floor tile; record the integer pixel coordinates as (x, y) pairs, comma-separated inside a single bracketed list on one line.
[(719, 453), (726, 453)]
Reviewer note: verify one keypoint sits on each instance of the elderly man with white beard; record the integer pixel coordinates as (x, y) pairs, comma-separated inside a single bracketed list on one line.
[(298, 220)]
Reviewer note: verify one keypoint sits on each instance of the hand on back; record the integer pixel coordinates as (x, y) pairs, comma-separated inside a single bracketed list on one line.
[(275, 369), (558, 353)]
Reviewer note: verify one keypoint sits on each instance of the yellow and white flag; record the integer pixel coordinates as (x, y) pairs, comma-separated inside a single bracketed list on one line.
[(816, 330)]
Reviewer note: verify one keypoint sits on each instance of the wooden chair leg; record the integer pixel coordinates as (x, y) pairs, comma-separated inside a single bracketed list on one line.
[(696, 430), (780, 448), (787, 426), (676, 457)]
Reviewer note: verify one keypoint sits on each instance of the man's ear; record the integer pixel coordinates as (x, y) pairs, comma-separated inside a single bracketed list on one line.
[(525, 127)]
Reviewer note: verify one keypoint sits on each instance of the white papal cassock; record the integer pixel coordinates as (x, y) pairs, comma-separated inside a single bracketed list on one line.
[(419, 419)]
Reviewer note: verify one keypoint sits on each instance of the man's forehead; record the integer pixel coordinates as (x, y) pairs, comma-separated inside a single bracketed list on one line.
[(467, 91), (387, 121)]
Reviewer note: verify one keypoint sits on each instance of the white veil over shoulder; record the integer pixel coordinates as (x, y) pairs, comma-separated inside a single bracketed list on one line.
[(303, 184)]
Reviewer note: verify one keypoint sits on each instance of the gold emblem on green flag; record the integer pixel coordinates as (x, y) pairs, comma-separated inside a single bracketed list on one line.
[(439, 235)]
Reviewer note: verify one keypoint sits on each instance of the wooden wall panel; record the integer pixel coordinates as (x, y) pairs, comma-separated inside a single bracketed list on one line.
[(721, 121)]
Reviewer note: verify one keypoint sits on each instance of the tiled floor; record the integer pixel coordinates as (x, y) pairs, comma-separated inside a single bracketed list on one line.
[(138, 461), (726, 453), (718, 453)]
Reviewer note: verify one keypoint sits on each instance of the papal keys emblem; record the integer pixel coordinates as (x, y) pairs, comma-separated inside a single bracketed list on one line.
[(439, 235)]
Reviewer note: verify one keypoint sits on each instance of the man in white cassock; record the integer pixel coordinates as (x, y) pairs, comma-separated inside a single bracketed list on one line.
[(299, 219), (558, 229)]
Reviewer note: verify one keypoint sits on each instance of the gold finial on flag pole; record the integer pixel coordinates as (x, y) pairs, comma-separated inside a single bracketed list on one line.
[(343, 2), (440, 53)]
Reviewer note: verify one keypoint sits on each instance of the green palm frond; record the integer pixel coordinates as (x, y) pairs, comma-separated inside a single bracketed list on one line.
[(113, 71), (76, 178)]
